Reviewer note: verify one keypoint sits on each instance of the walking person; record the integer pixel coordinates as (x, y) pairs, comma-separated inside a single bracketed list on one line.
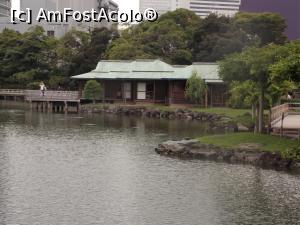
[(43, 88)]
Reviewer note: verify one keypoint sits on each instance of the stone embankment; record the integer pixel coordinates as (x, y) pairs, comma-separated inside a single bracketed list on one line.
[(155, 113), (193, 149), (216, 122)]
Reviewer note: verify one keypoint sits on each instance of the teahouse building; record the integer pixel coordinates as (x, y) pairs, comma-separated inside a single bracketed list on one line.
[(153, 81)]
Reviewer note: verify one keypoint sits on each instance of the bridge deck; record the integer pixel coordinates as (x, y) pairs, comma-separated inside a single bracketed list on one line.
[(49, 96), (289, 122)]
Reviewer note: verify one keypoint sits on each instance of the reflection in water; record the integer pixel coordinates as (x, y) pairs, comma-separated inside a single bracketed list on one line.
[(65, 169)]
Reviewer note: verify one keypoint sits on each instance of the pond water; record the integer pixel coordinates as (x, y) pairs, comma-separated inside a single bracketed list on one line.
[(69, 170)]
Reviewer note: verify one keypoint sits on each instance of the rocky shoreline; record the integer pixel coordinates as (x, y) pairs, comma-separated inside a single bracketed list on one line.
[(193, 149), (217, 122), (154, 113)]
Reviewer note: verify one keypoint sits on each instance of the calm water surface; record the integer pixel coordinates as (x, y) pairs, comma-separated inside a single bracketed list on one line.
[(69, 170)]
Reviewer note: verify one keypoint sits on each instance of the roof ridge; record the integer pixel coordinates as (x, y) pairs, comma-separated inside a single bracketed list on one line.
[(146, 60), (115, 60), (205, 63), (180, 66)]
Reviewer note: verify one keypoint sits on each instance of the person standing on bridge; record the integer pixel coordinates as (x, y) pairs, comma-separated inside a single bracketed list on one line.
[(43, 88)]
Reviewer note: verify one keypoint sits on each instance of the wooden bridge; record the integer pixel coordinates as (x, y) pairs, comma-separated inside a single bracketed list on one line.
[(51, 101), (285, 120)]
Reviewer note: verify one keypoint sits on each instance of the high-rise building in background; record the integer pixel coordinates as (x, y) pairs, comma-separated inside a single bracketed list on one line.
[(5, 6), (220, 7), (58, 29), (201, 7), (289, 9)]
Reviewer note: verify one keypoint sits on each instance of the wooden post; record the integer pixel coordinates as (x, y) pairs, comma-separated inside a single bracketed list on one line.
[(79, 107), (170, 91), (206, 98), (299, 134), (154, 90), (281, 127), (211, 97), (270, 122), (103, 91), (135, 92), (66, 107), (44, 106), (49, 106)]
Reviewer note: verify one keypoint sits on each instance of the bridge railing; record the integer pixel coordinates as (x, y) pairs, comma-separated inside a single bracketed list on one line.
[(278, 113), (36, 95), (12, 91)]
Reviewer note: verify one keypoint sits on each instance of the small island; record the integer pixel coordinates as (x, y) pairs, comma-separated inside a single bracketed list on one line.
[(260, 150)]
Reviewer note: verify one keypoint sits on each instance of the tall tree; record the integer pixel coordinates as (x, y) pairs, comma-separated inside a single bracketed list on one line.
[(27, 57), (79, 52), (252, 64), (169, 38), (268, 27), (288, 63)]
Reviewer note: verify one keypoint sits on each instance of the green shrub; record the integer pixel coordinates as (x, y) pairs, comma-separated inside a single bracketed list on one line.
[(56, 81), (92, 90), (292, 153), (195, 89), (33, 85)]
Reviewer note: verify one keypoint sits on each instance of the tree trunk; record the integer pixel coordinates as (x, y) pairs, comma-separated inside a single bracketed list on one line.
[(94, 101), (256, 118), (253, 111), (261, 111)]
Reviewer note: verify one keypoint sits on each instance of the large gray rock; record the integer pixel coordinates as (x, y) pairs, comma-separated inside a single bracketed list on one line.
[(242, 128), (193, 149)]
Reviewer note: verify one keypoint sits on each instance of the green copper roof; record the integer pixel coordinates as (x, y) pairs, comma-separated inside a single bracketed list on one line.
[(151, 70)]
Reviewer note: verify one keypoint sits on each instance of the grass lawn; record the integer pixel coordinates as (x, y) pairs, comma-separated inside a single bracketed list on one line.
[(266, 142), (229, 112)]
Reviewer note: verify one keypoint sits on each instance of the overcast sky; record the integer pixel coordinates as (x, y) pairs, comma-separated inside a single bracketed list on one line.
[(15, 4), (127, 5), (124, 5)]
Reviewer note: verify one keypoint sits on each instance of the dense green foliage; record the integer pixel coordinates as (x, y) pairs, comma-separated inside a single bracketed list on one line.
[(181, 37), (243, 94), (92, 90), (195, 89), (262, 75), (292, 153), (26, 59)]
